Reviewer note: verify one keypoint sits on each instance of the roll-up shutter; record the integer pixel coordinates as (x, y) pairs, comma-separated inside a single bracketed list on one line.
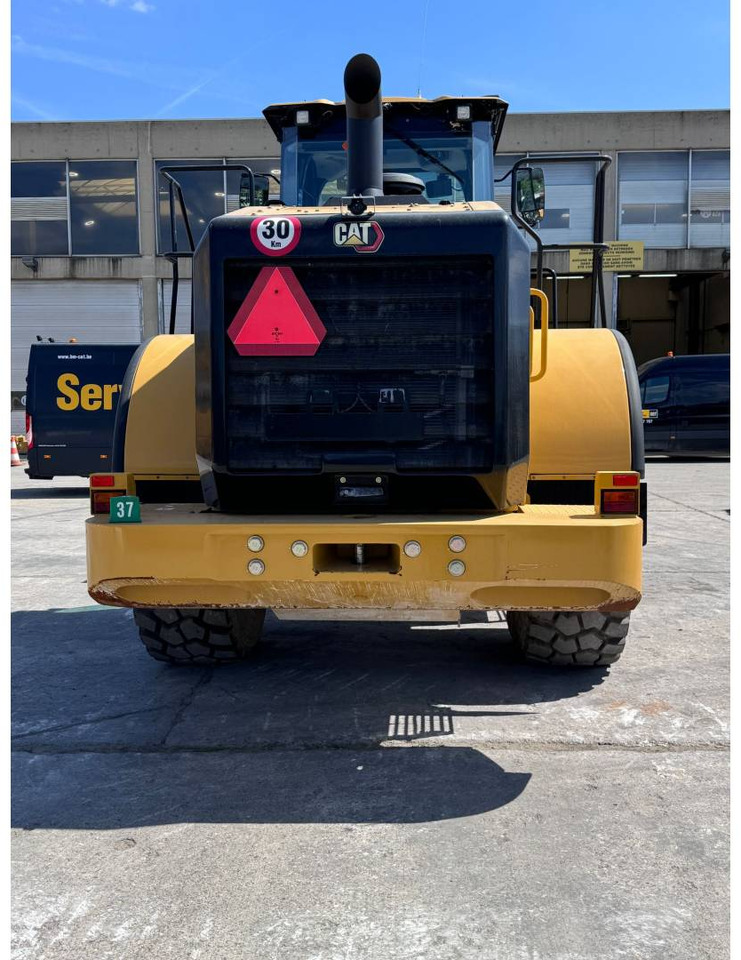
[(182, 312), (92, 311), (502, 191), (653, 197), (569, 202), (710, 199)]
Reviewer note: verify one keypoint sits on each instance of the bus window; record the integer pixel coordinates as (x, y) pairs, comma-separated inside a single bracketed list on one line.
[(654, 390)]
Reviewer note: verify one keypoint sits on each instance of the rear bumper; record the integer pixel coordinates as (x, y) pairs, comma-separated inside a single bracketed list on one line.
[(541, 557)]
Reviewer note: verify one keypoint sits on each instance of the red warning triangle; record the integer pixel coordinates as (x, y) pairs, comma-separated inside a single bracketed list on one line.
[(276, 318)]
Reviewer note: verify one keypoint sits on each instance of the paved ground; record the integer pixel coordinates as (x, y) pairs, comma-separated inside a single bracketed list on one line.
[(372, 791)]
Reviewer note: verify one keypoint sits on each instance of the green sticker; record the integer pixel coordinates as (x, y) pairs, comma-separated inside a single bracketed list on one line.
[(125, 510)]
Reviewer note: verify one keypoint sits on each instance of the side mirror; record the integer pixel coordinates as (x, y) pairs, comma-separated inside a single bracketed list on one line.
[(531, 194), (262, 190)]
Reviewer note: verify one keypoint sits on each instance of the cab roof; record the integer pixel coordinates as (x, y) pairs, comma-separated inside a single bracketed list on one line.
[(492, 109)]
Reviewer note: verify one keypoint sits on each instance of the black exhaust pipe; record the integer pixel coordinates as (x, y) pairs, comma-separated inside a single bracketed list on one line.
[(364, 127)]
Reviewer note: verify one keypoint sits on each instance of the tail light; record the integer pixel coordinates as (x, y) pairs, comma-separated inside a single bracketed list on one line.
[(617, 494), (619, 501), (625, 479), (29, 431), (103, 486), (100, 500)]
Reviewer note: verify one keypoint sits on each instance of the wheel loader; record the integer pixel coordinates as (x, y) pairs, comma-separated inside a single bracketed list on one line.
[(376, 414)]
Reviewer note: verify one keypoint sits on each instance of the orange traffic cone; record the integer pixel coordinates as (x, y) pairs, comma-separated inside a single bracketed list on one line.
[(15, 460)]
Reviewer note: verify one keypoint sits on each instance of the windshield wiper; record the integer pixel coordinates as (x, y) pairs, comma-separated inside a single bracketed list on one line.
[(420, 151)]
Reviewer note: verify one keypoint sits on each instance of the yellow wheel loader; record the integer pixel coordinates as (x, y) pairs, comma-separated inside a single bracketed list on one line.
[(374, 415)]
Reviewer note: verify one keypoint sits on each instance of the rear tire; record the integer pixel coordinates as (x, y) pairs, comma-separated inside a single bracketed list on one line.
[(185, 637), (589, 639)]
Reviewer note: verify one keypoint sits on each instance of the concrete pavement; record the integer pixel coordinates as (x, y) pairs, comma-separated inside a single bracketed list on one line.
[(368, 790)]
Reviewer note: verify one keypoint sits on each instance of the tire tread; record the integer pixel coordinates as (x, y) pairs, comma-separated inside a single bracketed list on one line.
[(589, 639), (199, 636)]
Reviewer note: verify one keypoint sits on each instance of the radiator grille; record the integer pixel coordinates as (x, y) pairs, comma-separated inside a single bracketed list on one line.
[(405, 370)]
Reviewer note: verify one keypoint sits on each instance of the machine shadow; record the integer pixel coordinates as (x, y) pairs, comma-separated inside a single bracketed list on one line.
[(317, 727), (49, 493)]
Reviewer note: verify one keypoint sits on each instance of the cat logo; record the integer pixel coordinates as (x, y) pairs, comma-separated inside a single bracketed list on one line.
[(363, 237)]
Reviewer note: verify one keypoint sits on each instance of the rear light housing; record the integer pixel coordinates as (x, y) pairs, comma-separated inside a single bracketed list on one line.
[(100, 500), (625, 480), (617, 494), (103, 486), (619, 502)]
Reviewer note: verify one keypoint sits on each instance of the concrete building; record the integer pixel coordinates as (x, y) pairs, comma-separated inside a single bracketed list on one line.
[(90, 209)]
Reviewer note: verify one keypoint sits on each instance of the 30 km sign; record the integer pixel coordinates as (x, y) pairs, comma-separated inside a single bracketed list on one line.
[(622, 255), (275, 236)]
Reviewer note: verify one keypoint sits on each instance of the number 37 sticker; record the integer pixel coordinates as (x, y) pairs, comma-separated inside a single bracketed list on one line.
[(275, 236)]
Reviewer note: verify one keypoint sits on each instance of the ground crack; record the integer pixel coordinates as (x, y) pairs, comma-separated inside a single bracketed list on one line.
[(84, 723), (679, 503), (201, 682)]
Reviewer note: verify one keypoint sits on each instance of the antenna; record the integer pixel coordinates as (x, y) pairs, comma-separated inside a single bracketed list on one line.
[(422, 50)]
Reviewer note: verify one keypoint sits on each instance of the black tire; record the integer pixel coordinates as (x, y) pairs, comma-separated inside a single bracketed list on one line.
[(590, 639), (199, 637)]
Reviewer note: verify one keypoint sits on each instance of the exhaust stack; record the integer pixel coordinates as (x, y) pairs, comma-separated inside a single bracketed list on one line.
[(364, 127)]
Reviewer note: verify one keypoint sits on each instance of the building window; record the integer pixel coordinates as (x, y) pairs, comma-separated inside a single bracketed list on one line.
[(557, 219), (204, 193), (93, 202), (710, 199), (103, 207), (653, 198), (38, 209), (266, 171), (207, 194)]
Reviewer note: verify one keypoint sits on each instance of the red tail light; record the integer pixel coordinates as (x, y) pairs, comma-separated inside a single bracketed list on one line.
[(102, 480), (101, 500), (625, 479), (29, 431), (619, 501)]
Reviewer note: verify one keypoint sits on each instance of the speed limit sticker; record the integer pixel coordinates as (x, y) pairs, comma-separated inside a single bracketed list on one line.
[(275, 236)]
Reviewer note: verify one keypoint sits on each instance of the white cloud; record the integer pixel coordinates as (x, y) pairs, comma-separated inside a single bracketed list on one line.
[(196, 88), (138, 6), (184, 82), (32, 107)]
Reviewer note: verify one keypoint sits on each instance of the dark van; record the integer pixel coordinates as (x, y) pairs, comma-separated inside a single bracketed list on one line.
[(686, 405), (71, 398)]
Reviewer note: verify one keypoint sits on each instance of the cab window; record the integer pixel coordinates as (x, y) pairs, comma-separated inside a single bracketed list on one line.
[(443, 163)]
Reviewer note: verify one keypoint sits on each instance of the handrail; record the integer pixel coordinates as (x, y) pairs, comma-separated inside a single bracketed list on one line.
[(539, 295), (598, 246), (173, 187)]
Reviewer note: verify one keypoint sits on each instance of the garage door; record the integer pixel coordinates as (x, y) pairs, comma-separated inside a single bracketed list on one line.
[(93, 311), (182, 313)]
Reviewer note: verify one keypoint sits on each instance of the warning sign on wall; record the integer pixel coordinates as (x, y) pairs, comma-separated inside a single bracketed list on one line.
[(622, 255)]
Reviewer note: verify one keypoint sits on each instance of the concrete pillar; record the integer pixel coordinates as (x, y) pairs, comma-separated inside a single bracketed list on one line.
[(611, 192), (148, 234)]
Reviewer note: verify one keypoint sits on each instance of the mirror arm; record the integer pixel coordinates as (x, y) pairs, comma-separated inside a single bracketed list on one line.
[(515, 213)]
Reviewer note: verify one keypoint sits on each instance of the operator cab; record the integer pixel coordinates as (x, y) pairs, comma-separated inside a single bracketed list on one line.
[(434, 151)]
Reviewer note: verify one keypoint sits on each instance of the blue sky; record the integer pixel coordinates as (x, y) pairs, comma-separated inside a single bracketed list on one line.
[(114, 59)]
